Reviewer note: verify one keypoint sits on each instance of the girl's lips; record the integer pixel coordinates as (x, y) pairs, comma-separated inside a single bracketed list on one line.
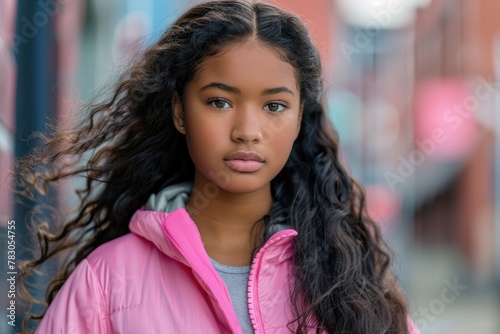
[(244, 161), (244, 166)]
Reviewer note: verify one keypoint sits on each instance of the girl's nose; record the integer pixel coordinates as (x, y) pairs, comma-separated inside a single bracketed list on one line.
[(247, 126)]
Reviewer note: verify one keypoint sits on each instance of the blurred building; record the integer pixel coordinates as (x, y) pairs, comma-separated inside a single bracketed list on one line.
[(7, 128), (415, 97), (7, 97), (455, 92)]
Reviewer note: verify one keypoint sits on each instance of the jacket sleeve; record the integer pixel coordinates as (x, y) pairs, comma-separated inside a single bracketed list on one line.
[(79, 307)]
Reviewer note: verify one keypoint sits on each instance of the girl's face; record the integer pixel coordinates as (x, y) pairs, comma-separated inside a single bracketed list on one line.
[(241, 115)]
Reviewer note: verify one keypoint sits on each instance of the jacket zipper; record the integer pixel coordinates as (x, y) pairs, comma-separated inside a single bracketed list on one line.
[(253, 303)]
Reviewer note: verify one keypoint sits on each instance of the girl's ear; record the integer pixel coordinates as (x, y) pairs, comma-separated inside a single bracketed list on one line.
[(178, 113), (299, 123)]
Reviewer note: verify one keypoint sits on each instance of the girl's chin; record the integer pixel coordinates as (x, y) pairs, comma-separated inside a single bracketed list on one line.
[(238, 186)]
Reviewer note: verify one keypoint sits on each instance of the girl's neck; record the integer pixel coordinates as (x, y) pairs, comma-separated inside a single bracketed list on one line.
[(231, 225)]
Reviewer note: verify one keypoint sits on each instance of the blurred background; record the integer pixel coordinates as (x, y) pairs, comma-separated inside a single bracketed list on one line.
[(413, 87)]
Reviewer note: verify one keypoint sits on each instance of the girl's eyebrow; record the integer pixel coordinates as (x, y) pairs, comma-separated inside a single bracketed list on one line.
[(221, 86), (276, 90), (227, 88)]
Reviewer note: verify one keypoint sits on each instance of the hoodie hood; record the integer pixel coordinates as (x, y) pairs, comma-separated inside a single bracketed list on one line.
[(170, 198)]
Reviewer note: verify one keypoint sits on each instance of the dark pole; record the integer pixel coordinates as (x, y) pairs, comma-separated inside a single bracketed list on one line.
[(34, 48)]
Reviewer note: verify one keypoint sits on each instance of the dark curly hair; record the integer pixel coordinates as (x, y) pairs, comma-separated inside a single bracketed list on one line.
[(128, 148)]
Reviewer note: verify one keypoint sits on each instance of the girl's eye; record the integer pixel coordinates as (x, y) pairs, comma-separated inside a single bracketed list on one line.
[(219, 103), (275, 107)]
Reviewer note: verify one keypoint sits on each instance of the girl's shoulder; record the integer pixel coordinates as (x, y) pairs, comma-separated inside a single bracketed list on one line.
[(121, 253), (128, 244)]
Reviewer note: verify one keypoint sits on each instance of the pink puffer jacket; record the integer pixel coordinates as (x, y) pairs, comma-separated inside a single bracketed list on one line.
[(159, 279)]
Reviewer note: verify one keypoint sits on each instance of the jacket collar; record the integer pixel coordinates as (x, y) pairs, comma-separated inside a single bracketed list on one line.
[(177, 236), (165, 222)]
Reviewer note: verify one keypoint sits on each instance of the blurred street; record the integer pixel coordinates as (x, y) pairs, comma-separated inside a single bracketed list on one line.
[(475, 310)]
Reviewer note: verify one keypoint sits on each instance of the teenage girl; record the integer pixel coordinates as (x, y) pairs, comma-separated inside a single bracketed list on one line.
[(215, 197)]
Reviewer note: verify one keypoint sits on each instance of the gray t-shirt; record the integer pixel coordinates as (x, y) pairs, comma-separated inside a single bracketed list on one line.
[(236, 279)]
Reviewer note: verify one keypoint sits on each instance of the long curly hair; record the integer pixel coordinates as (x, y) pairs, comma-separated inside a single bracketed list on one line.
[(128, 148)]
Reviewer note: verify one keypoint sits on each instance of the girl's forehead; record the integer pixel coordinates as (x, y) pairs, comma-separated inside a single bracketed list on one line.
[(250, 61)]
